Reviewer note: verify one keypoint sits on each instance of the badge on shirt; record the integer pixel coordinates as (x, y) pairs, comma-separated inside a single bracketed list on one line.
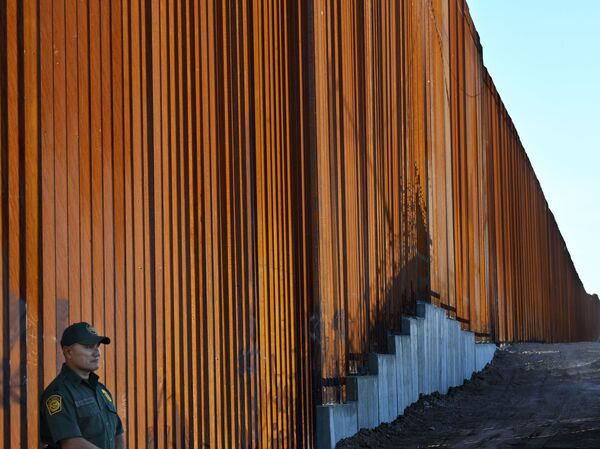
[(54, 404), (107, 395)]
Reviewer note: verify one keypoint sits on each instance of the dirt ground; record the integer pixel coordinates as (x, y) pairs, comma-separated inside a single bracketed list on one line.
[(530, 396)]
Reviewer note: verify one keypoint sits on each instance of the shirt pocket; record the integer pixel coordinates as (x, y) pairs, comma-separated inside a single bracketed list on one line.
[(87, 410), (89, 419)]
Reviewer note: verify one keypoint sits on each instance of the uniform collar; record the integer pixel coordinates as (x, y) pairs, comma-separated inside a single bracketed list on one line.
[(74, 377)]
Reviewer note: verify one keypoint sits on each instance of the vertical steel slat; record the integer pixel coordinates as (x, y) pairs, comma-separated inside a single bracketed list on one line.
[(32, 228), (14, 300)]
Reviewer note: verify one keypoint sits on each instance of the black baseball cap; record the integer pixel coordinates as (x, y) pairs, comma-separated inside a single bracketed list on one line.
[(82, 333)]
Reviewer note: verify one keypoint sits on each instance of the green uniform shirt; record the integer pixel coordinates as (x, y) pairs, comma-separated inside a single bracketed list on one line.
[(74, 407)]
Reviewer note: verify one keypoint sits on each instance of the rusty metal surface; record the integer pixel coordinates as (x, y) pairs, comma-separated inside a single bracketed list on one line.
[(371, 179), (247, 196), (425, 191), (151, 166)]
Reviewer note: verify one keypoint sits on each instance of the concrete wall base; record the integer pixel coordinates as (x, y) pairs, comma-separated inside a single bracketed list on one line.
[(364, 391), (335, 422), (432, 354)]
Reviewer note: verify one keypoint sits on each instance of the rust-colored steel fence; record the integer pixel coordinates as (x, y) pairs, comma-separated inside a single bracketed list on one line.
[(152, 184), (247, 196)]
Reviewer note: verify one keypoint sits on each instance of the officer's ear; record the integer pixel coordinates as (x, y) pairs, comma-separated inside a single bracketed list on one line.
[(67, 352)]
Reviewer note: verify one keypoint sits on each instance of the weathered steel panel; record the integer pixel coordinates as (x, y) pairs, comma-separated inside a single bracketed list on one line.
[(154, 180), (247, 196)]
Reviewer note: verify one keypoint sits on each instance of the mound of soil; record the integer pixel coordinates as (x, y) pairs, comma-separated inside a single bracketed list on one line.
[(530, 396)]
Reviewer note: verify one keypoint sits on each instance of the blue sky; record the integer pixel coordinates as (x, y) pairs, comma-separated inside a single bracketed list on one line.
[(544, 57)]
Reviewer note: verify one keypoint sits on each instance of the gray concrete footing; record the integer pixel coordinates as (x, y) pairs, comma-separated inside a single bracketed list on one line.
[(384, 366), (484, 353), (335, 422), (410, 363), (363, 390), (443, 345), (431, 354)]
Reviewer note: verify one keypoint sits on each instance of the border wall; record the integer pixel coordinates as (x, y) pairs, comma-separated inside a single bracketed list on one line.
[(248, 197)]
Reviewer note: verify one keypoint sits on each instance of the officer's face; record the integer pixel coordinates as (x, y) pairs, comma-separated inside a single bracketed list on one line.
[(84, 357)]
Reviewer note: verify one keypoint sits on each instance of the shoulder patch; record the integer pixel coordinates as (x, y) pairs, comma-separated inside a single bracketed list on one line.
[(54, 404), (106, 395)]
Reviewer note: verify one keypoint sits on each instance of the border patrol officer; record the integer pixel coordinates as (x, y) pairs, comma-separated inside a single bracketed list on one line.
[(77, 411)]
